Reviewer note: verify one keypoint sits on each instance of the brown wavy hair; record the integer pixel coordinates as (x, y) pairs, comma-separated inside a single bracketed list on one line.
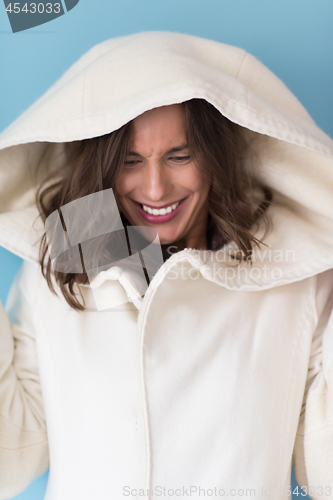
[(218, 149)]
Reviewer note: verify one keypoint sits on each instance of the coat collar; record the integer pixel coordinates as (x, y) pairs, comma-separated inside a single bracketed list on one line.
[(272, 266)]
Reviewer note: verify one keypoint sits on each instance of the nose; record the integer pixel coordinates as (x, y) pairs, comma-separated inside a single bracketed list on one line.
[(156, 182)]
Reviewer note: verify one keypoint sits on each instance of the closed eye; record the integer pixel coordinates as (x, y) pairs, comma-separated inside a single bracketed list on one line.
[(180, 158), (131, 162)]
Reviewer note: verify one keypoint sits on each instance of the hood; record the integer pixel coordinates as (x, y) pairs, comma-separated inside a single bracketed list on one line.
[(122, 78)]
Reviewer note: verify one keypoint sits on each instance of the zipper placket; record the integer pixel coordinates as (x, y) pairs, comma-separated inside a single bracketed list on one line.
[(143, 403)]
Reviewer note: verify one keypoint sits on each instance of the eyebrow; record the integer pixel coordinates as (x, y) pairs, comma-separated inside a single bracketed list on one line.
[(172, 150)]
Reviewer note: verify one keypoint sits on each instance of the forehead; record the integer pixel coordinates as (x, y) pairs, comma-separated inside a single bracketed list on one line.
[(159, 127)]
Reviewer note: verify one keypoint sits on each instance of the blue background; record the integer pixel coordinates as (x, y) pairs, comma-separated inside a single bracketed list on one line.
[(294, 38)]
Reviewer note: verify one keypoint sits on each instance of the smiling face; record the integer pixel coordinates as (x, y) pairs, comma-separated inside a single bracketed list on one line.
[(159, 186)]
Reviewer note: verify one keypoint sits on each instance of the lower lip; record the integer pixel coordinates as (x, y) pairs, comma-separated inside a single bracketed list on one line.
[(159, 219)]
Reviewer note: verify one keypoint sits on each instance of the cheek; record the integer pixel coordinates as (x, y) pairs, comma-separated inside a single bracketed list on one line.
[(194, 182), (124, 184)]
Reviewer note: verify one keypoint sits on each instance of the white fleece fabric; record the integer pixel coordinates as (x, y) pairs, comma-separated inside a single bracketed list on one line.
[(223, 381)]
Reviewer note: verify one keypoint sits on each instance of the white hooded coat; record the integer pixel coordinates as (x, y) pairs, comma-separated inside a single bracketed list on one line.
[(215, 376)]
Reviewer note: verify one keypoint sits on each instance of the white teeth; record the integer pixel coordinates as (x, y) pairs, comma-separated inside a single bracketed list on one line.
[(161, 211)]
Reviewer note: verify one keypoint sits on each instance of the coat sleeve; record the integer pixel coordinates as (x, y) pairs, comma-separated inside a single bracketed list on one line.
[(313, 451), (23, 438)]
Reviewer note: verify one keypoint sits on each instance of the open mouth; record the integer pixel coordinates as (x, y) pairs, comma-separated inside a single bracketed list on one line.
[(160, 215), (160, 211)]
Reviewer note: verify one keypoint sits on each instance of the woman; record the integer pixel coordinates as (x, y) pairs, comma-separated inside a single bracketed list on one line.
[(207, 372)]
